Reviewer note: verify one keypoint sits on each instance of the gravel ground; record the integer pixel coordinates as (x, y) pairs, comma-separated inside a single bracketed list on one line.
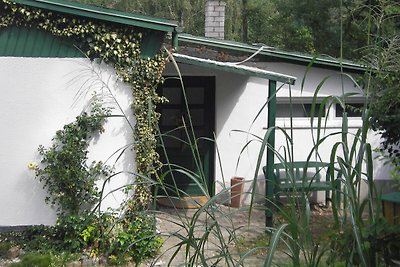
[(232, 222)]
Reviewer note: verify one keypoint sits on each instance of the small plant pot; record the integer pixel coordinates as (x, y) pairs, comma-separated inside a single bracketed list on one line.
[(237, 187)]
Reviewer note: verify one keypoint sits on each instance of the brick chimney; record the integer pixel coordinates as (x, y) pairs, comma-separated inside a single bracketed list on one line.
[(215, 19)]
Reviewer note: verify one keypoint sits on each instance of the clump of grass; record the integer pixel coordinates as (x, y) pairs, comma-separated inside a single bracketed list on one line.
[(4, 247), (34, 259), (243, 244)]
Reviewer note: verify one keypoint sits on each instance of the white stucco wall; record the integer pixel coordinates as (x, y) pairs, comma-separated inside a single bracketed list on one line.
[(38, 97), (41, 95), (239, 99)]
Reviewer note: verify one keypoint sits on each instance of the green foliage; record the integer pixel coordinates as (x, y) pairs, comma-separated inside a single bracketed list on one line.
[(383, 55), (261, 241), (37, 238), (83, 232), (274, 23), (46, 259), (120, 241), (72, 230), (34, 260), (385, 111), (395, 172), (4, 247), (135, 241), (384, 105), (380, 237), (188, 14), (70, 183)]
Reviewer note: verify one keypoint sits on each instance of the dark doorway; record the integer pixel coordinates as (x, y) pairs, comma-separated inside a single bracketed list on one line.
[(200, 96)]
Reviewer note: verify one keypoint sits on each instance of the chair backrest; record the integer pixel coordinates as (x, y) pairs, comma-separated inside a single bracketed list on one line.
[(300, 172)]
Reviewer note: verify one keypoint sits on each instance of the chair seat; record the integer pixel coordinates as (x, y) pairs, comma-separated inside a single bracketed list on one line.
[(315, 186), (300, 171)]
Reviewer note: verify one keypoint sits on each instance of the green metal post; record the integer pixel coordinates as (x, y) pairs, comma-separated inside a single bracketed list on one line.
[(269, 186), (175, 40)]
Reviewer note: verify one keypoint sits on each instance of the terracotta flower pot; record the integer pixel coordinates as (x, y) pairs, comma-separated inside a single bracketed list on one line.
[(237, 186)]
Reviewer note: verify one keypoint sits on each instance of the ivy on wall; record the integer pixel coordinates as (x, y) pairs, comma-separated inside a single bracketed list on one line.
[(117, 45), (69, 180)]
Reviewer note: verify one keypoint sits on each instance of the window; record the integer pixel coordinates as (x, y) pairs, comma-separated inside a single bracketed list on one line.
[(331, 115), (297, 110), (353, 110)]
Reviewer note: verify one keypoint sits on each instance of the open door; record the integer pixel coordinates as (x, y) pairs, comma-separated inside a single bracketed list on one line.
[(200, 96)]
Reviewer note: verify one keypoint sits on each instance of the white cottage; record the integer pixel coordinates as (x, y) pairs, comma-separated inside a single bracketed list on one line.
[(42, 79), (238, 77)]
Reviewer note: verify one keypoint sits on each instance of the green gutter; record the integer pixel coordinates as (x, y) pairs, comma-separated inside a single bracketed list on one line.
[(102, 14), (271, 52)]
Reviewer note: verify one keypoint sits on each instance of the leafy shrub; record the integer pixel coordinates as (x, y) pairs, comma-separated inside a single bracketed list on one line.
[(36, 260), (68, 230), (395, 173), (385, 110), (38, 238), (137, 240), (4, 247), (381, 237)]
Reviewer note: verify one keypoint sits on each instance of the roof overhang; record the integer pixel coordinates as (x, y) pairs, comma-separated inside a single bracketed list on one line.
[(103, 14), (234, 68)]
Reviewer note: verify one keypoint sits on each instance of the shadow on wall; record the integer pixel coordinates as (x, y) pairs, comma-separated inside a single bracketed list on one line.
[(229, 89)]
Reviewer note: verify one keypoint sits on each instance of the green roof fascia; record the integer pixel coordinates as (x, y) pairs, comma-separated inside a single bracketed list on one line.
[(103, 14), (291, 57), (234, 68)]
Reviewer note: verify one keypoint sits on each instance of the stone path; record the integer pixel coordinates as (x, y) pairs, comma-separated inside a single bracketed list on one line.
[(221, 224)]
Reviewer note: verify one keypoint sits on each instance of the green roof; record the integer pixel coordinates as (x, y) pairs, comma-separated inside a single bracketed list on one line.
[(273, 54), (103, 14)]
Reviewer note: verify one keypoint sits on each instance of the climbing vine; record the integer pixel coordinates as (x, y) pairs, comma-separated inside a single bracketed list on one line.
[(70, 182), (119, 46)]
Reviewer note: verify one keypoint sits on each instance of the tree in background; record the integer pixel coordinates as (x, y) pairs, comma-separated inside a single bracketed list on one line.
[(383, 55), (272, 24), (188, 13), (306, 26)]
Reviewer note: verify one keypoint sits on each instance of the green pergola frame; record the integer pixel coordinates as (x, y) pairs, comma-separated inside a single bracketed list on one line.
[(270, 153)]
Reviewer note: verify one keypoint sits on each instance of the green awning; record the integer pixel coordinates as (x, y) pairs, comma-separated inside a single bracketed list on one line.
[(234, 68)]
